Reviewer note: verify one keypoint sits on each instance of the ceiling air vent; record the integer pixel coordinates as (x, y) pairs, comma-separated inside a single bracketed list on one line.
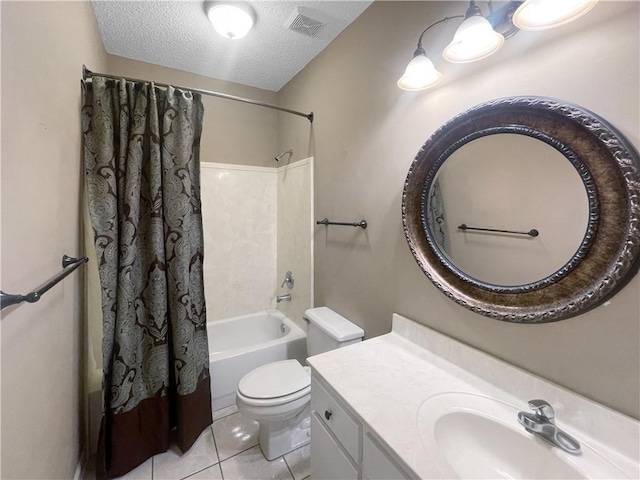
[(302, 21)]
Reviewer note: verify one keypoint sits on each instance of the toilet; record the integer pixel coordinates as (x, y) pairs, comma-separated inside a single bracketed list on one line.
[(278, 395)]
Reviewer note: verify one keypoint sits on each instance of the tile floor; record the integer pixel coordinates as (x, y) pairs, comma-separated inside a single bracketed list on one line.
[(228, 450)]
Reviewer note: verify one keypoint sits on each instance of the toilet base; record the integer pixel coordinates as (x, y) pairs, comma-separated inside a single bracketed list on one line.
[(279, 437)]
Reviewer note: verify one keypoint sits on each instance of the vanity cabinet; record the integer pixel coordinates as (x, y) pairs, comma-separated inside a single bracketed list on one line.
[(342, 445)]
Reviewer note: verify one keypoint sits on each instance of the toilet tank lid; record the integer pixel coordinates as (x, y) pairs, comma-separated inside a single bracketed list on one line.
[(333, 324)]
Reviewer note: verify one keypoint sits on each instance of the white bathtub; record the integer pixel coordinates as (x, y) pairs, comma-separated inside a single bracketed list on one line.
[(238, 345)]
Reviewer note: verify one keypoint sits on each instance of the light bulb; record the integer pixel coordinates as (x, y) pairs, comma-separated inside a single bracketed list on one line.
[(543, 14)]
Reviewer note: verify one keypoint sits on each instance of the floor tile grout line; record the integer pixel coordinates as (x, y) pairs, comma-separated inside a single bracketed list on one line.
[(224, 416), (208, 466), (220, 460), (288, 468), (215, 443), (242, 451), (200, 471)]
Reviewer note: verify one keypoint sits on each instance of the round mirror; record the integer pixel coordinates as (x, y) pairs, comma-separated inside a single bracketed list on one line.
[(524, 209), (508, 209)]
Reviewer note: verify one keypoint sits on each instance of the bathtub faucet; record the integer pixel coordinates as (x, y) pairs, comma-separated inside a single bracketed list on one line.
[(283, 298)]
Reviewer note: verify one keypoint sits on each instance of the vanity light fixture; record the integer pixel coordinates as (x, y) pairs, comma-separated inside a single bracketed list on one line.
[(544, 14), (474, 39), (478, 36), (231, 19)]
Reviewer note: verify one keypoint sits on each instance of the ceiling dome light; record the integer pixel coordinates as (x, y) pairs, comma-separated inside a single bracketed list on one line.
[(420, 74), (474, 40), (231, 20), (543, 14)]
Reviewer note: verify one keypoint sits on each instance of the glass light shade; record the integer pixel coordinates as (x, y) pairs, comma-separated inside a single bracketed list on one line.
[(230, 21), (474, 40), (543, 14), (419, 74)]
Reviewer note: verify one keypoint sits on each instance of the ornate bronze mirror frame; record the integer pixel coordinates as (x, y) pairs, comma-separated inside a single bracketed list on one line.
[(608, 165)]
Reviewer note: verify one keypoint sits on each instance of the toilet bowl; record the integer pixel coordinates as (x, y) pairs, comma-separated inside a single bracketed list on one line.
[(278, 395)]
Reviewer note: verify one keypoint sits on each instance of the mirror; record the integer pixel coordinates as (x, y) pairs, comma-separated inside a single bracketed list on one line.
[(524, 209), (515, 183)]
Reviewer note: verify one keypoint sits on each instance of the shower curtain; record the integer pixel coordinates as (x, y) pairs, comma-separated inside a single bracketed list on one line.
[(143, 186), (436, 218)]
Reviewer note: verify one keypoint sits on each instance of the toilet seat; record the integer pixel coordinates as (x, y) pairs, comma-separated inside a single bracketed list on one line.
[(272, 402), (276, 383)]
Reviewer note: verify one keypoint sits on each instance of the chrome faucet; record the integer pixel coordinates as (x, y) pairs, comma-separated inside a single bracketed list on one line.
[(283, 298), (542, 423), (288, 280)]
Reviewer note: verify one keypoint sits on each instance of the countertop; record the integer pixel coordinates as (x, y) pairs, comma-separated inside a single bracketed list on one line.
[(386, 379)]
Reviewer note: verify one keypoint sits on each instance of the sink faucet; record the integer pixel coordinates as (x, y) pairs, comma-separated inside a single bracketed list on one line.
[(542, 423)]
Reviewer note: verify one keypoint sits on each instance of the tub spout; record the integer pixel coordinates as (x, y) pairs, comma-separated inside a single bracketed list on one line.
[(283, 298)]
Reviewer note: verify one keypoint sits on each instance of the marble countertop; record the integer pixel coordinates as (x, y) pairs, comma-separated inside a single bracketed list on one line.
[(386, 379)]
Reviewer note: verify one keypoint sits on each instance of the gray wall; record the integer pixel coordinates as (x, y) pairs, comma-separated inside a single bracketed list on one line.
[(367, 132), (44, 45)]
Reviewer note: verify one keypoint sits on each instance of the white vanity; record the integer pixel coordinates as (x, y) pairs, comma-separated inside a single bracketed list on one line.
[(417, 404)]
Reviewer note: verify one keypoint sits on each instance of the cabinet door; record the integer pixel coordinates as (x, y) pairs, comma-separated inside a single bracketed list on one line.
[(328, 460), (377, 463), (335, 417)]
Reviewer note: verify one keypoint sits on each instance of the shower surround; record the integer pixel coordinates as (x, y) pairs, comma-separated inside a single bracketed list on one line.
[(257, 225)]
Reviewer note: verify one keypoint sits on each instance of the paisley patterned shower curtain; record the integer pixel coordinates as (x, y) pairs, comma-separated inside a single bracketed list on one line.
[(143, 185), (436, 217)]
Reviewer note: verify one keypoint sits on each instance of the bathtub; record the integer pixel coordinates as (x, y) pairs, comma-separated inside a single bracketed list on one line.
[(238, 345)]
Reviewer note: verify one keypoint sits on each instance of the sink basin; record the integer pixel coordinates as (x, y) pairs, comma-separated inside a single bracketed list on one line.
[(472, 436)]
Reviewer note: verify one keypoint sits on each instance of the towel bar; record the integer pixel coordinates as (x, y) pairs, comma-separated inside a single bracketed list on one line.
[(361, 223), (532, 233), (69, 264)]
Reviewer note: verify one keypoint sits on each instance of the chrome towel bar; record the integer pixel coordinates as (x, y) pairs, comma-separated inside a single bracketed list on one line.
[(325, 221), (69, 264)]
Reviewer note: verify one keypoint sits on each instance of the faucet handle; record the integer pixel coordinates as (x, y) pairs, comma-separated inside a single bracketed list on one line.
[(542, 409), (288, 280)]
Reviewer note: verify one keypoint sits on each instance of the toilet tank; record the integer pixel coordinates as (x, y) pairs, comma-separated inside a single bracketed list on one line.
[(329, 330)]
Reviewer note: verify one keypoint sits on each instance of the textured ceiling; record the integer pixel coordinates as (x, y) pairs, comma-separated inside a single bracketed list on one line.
[(178, 34)]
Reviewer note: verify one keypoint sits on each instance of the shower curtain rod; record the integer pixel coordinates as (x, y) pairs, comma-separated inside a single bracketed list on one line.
[(86, 73)]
